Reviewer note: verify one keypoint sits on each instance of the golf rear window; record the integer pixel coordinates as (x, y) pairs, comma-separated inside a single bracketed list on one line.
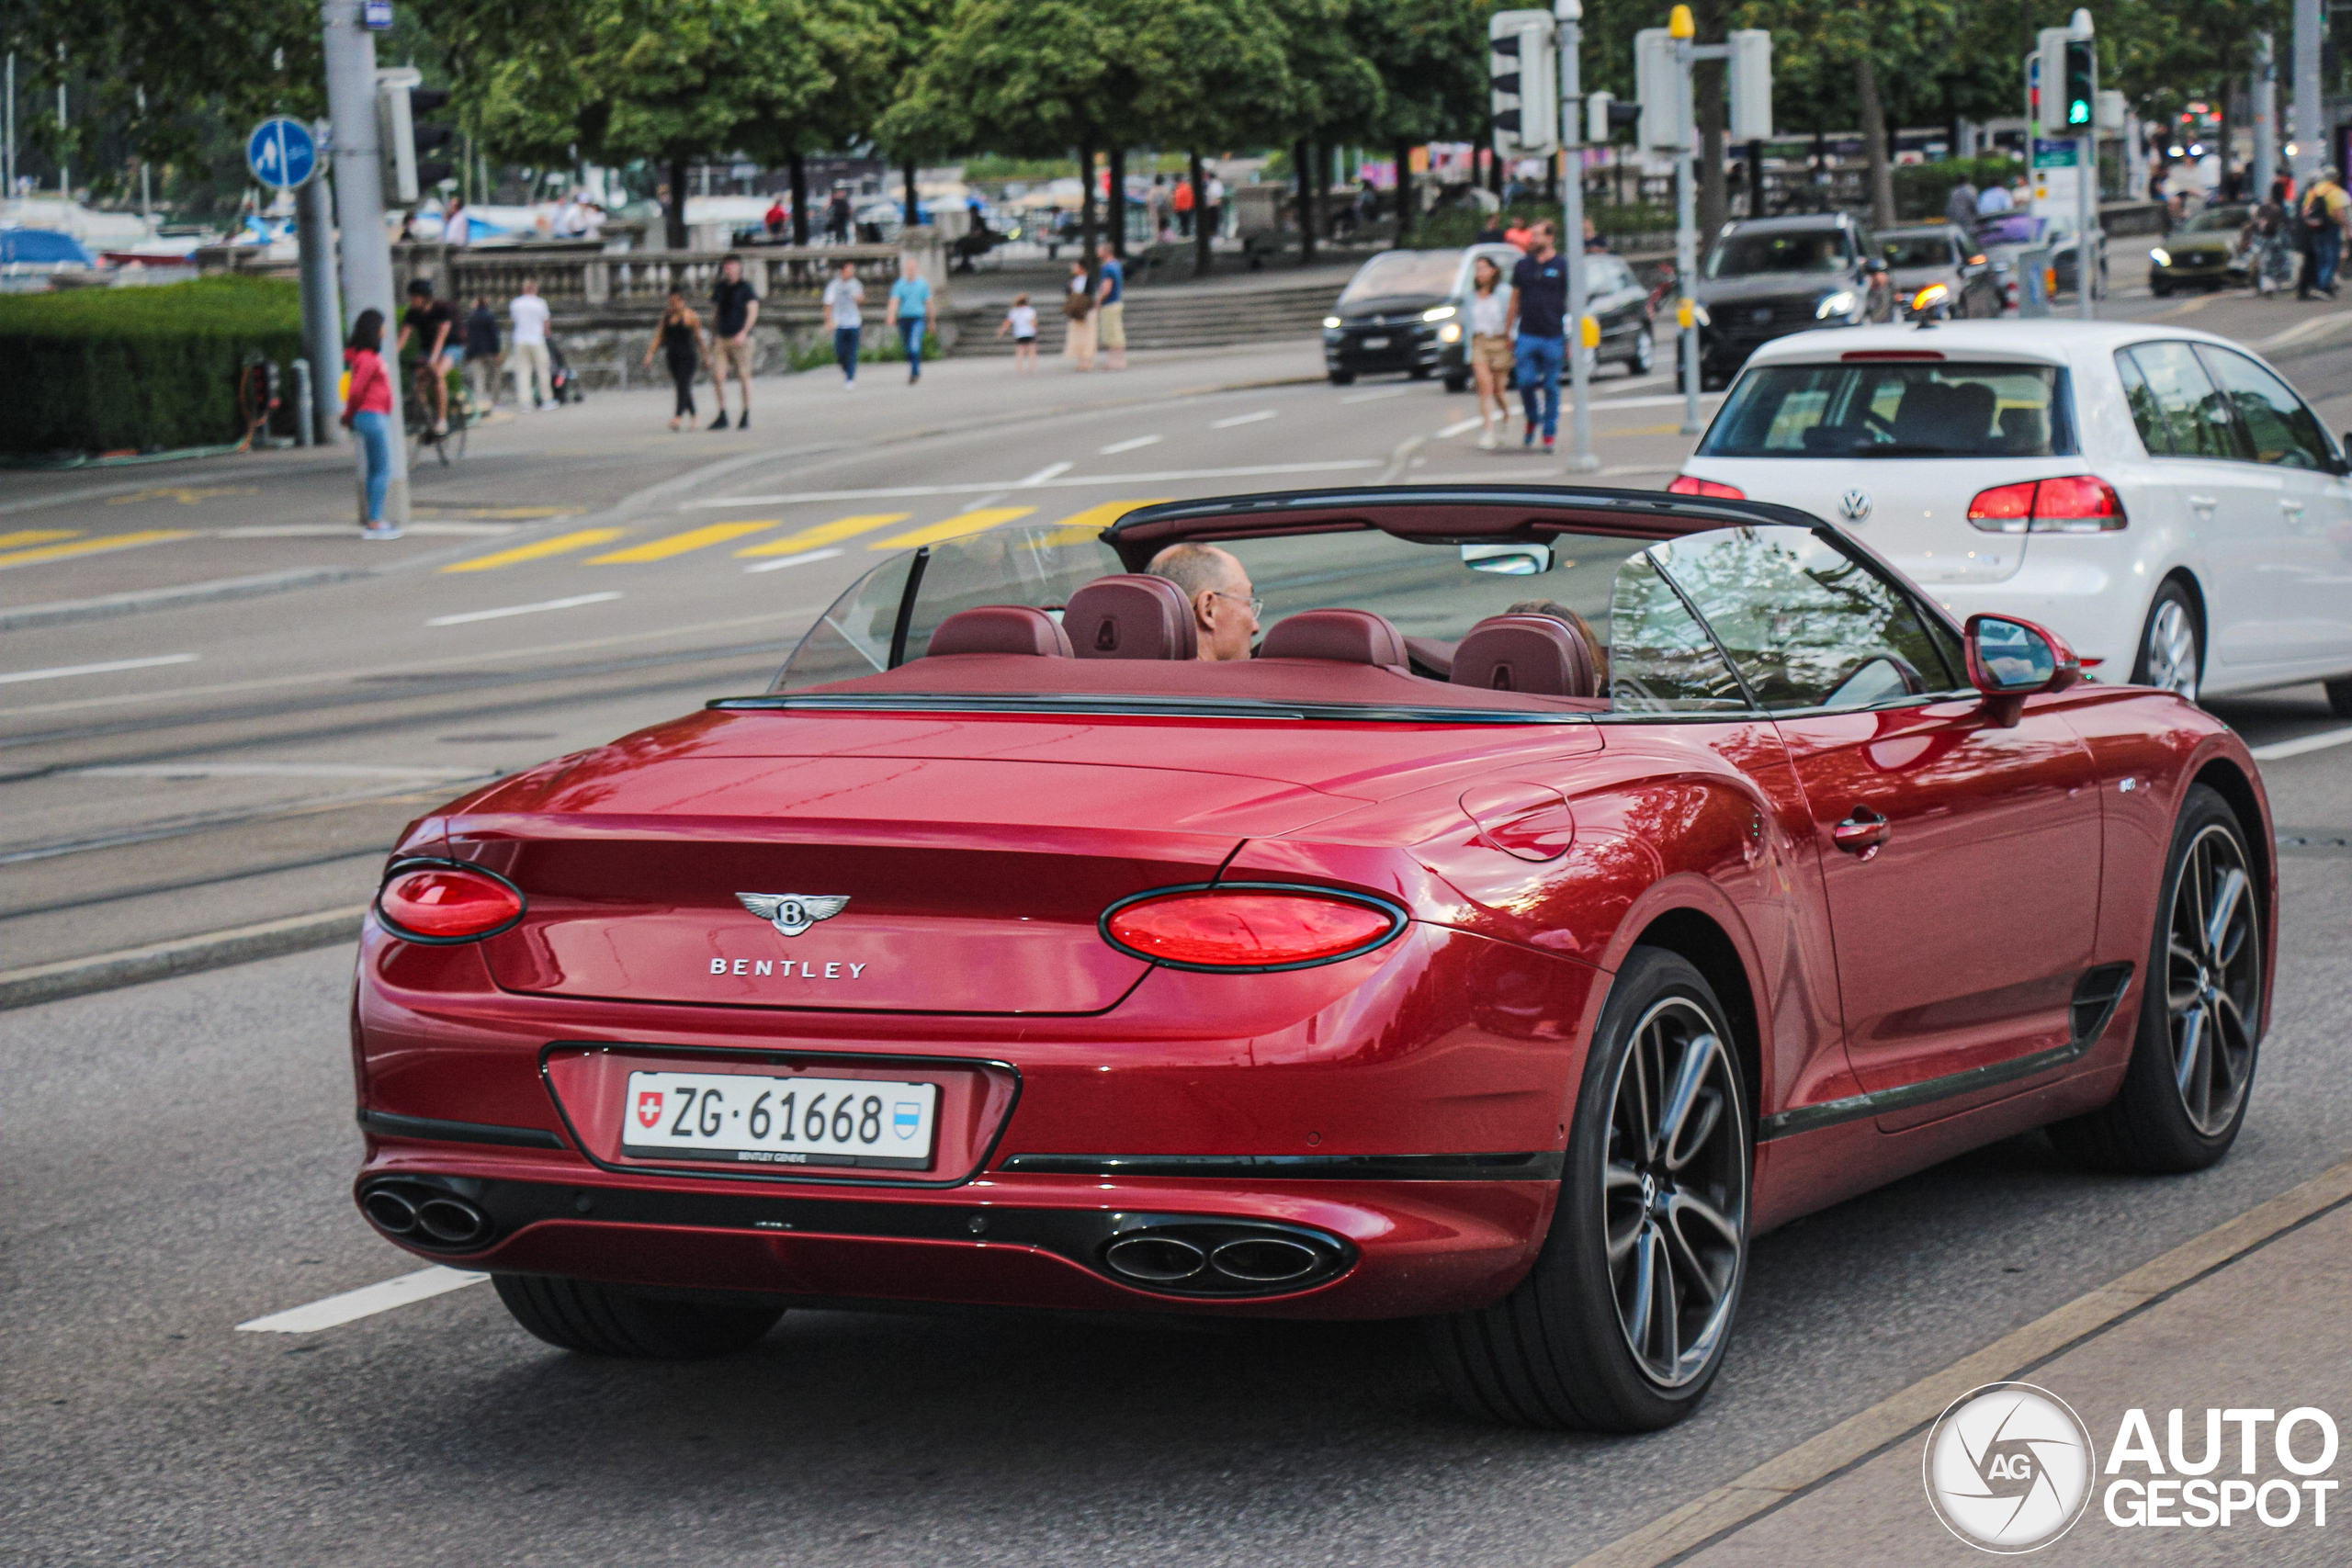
[(1900, 409)]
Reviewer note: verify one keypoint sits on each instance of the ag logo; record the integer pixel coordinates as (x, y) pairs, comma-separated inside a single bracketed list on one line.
[(2009, 1468), (649, 1107)]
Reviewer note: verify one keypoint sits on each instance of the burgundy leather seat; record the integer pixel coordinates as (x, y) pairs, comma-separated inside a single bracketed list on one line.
[(1131, 617), (1527, 653), (999, 628), (1349, 636)]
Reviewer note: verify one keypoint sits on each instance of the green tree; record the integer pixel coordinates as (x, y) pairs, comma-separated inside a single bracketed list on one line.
[(1430, 56)]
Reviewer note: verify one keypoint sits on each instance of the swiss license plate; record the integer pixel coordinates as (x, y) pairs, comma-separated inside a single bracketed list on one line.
[(1374, 342), (744, 1119)]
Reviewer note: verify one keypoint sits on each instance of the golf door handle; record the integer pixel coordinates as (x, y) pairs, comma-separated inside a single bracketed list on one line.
[(2204, 503), (2292, 508), (1863, 832)]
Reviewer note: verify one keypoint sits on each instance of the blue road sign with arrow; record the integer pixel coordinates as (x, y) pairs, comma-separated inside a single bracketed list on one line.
[(282, 153)]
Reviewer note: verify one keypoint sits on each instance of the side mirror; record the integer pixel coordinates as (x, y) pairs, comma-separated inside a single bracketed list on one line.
[(2010, 660)]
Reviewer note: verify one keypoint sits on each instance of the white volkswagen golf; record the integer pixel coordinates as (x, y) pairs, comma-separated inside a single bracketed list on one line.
[(2160, 498)]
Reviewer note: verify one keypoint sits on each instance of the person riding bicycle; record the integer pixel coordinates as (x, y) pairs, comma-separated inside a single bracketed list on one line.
[(435, 325)]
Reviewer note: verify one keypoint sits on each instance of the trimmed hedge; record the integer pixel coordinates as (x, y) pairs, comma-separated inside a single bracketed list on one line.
[(144, 368)]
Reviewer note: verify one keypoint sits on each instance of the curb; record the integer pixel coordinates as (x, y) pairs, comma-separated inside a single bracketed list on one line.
[(114, 604), (1724, 1512), (186, 956)]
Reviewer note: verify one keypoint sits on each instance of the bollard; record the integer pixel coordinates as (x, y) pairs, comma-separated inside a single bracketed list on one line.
[(305, 433)]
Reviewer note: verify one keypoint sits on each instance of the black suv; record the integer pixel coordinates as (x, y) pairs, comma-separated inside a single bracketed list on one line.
[(1767, 277)]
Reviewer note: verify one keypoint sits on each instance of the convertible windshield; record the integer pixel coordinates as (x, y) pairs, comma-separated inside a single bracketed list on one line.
[(1393, 273), (1894, 409), (1822, 250)]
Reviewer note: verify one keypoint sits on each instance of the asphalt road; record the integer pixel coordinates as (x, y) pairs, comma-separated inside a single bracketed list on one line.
[(175, 1158)]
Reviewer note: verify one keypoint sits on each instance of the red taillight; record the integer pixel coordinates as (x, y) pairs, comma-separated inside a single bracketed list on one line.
[(2072, 503), (1249, 928), (443, 904), (1684, 484)]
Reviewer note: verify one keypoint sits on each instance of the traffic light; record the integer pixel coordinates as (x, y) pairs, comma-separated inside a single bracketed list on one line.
[(2080, 101), (405, 136), (1524, 75), (1658, 84), (1750, 71), (1604, 116)]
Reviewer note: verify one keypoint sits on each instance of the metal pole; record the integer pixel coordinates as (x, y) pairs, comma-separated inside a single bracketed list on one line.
[(1570, 14), (321, 311), (360, 193), (2266, 116), (2086, 234), (10, 194), (2309, 154), (1686, 236)]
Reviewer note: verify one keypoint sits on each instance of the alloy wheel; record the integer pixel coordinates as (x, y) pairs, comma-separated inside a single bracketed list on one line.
[(1675, 1192), (2213, 979), (2171, 657)]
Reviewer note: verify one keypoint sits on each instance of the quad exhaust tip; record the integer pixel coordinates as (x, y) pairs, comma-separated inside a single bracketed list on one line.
[(1182, 1256), (426, 1216)]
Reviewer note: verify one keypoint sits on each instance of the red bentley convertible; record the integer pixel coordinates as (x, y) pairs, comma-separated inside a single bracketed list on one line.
[(1574, 884)]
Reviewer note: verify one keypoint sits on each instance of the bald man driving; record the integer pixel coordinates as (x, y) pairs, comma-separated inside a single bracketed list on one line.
[(1224, 610)]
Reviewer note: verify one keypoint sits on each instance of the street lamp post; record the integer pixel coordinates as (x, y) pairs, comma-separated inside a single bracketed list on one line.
[(1570, 14), (359, 198), (2086, 234)]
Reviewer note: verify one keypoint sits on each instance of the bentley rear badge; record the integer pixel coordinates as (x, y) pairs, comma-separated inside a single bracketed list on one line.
[(793, 913)]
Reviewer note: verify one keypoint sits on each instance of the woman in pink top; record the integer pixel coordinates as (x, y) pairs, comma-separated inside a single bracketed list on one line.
[(367, 414)]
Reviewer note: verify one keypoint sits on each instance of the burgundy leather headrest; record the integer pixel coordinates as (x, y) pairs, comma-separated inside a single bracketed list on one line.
[(1527, 653), (1131, 617), (1350, 636), (999, 628)]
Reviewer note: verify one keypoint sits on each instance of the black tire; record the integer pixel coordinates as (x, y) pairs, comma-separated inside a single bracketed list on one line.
[(1559, 1351), (2153, 1125), (608, 1320), (2159, 288), (1419, 373), (1343, 378), (1457, 384), (2339, 696), (2163, 658)]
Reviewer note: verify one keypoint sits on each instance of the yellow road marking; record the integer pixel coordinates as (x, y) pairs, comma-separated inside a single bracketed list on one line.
[(679, 544), (825, 533), (559, 545), (36, 537), (1080, 526), (956, 527), (186, 495), (93, 546)]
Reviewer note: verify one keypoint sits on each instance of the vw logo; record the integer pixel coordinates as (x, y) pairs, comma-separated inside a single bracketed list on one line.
[(1855, 505), (2009, 1468)]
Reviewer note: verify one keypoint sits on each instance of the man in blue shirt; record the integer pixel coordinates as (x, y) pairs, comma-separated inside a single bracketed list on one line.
[(909, 308), (1539, 313), (1110, 322)]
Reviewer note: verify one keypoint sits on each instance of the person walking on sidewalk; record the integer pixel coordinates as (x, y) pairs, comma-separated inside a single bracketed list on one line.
[(1112, 332), (367, 414), (1490, 349), (845, 317), (1078, 305), (1961, 206), (481, 355), (1539, 317), (837, 217), (527, 356), (2323, 211), (1022, 323), (735, 310), (909, 311), (680, 340)]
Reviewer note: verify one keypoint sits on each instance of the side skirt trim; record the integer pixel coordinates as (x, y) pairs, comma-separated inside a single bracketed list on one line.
[(1531, 1166)]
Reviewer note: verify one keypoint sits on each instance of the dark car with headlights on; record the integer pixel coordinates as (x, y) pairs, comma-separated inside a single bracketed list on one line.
[(1937, 271), (1408, 312), (2207, 251), (1767, 277)]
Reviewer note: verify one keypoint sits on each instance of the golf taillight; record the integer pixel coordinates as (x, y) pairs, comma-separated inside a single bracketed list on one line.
[(447, 904), (1684, 484), (1249, 928), (2072, 503)]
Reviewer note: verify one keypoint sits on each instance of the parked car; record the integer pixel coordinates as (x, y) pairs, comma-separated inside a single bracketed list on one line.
[(2204, 253), (1007, 952), (1937, 271), (1408, 312), (2160, 497), (1766, 278)]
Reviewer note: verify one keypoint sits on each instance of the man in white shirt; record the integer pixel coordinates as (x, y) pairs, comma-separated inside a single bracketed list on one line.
[(1993, 200), (527, 356), (1216, 194), (843, 297)]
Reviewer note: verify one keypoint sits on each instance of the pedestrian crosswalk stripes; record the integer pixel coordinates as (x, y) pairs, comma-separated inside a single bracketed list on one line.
[(539, 549), (956, 527), (825, 534), (1080, 526), (24, 536), (679, 544), (91, 546)]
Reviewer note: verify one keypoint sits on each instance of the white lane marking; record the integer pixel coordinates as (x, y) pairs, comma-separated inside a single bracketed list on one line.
[(2302, 329), (1050, 471), (268, 770), (572, 602), (1067, 481), (1602, 405), (1241, 419), (1375, 396), (803, 558), (61, 670), (1116, 448), (366, 1301), (1460, 427), (2279, 750)]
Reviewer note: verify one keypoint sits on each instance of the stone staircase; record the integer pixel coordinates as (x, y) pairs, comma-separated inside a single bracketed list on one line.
[(1177, 316)]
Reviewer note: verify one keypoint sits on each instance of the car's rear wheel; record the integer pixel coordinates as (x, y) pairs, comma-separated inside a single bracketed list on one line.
[(1624, 1322), (2193, 1055), (597, 1319), (2172, 653), (1343, 378)]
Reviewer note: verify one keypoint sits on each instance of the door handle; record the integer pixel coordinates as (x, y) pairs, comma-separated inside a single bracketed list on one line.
[(2292, 508), (1861, 833), (2204, 503)]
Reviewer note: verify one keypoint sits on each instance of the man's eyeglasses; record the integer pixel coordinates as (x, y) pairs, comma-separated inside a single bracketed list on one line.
[(1256, 605)]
